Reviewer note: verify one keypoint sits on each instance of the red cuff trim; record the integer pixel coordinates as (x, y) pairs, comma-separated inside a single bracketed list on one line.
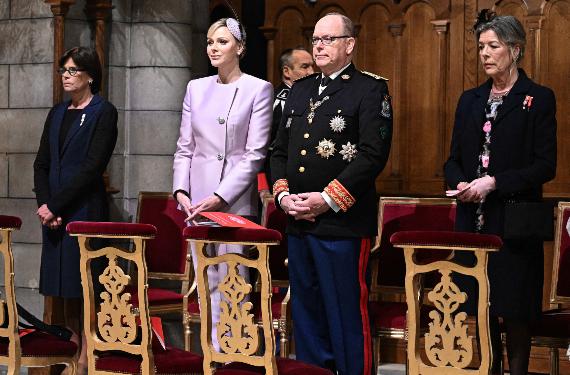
[(340, 195), (280, 186)]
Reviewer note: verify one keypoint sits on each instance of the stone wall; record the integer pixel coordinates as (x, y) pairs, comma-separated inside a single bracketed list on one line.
[(150, 62)]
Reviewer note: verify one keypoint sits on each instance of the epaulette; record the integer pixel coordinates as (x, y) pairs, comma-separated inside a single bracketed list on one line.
[(376, 76), (307, 77)]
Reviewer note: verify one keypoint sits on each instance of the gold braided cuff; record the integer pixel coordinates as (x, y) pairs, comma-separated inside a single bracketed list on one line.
[(280, 186), (340, 195)]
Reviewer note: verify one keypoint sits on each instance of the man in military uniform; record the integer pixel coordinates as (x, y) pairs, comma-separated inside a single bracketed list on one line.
[(294, 63), (333, 141)]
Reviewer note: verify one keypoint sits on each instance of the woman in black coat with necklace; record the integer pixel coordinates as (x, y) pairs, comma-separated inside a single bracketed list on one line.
[(503, 150)]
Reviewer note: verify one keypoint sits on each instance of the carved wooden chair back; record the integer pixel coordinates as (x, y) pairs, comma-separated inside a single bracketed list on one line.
[(447, 345), (552, 330), (401, 214), (119, 336), (560, 291), (35, 349), (276, 219), (166, 254), (247, 346)]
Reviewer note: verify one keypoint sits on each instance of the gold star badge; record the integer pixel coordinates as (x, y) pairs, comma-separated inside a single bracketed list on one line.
[(326, 148)]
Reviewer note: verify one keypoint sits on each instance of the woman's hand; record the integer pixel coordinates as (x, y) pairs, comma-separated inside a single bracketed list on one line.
[(55, 223), (45, 215), (477, 190), (184, 202), (211, 203)]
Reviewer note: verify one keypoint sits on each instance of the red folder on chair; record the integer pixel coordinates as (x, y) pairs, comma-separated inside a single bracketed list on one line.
[(224, 219)]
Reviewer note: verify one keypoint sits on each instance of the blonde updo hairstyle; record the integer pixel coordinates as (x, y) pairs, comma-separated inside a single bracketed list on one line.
[(238, 34)]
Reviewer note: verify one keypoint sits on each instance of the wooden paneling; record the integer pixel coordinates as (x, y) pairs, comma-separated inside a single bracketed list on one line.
[(427, 50)]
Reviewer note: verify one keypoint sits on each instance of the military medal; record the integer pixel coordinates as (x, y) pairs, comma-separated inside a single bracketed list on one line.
[(386, 111), (313, 107), (337, 124), (348, 152), (326, 148)]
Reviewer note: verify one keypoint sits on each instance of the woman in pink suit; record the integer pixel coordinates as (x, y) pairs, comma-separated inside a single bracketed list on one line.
[(224, 134)]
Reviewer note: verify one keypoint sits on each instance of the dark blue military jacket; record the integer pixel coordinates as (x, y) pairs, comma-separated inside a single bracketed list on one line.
[(337, 142)]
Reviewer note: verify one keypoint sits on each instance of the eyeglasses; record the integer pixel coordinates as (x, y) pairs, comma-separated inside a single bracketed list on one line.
[(327, 40), (71, 70)]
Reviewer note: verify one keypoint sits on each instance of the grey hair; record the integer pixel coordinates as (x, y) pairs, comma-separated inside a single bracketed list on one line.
[(509, 30), (222, 22), (348, 25)]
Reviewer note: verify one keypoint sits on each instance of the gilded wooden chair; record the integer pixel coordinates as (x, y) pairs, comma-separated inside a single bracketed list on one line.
[(166, 254), (239, 336), (36, 349), (119, 336), (553, 328), (387, 306), (276, 219), (447, 346)]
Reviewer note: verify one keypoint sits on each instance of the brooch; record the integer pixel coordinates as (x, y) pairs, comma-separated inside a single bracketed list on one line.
[(345, 76), (337, 124), (348, 152), (527, 103), (82, 119), (289, 121), (386, 110), (326, 148)]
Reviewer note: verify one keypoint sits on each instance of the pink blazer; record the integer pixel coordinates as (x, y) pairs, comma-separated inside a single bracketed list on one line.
[(224, 135)]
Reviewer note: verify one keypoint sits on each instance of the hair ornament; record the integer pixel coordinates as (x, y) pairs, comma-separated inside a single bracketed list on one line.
[(484, 16), (233, 26)]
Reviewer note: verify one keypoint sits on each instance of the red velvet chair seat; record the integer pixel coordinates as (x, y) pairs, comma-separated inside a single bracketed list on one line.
[(169, 361), (41, 344), (156, 296), (285, 366), (392, 315), (11, 222), (553, 323)]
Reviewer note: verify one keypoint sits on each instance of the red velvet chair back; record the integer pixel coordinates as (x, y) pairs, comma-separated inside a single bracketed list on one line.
[(274, 218), (166, 253), (560, 291), (405, 214)]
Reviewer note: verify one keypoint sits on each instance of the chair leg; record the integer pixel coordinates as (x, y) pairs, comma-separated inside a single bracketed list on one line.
[(554, 369), (187, 333), (284, 340), (376, 349)]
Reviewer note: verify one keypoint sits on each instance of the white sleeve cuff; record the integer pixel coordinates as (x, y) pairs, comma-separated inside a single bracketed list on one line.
[(330, 202), (280, 196)]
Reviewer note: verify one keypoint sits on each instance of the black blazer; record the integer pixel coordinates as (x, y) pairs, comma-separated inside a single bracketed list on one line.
[(523, 148)]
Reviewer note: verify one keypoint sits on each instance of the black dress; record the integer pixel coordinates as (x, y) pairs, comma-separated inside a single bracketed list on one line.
[(522, 159)]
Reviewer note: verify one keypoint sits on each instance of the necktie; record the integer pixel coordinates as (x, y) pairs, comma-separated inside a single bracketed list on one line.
[(325, 81)]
